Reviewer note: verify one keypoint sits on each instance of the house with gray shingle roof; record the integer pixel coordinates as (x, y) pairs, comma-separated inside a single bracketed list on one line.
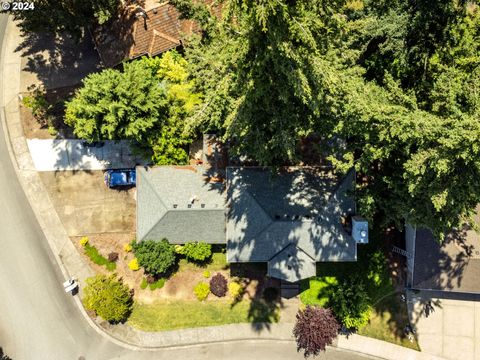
[(449, 266), (290, 219), (181, 204)]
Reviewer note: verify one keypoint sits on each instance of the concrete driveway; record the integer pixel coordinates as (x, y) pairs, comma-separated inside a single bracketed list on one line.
[(53, 155), (452, 328), (86, 206)]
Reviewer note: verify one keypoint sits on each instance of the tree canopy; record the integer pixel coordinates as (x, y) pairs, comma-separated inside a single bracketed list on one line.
[(70, 16), (146, 103), (396, 81)]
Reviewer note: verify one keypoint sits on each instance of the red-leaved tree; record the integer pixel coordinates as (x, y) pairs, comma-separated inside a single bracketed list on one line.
[(315, 329)]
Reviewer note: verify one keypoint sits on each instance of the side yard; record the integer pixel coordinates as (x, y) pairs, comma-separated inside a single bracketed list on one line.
[(377, 277)]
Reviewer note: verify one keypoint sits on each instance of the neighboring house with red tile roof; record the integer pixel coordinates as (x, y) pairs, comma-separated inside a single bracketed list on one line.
[(150, 29)]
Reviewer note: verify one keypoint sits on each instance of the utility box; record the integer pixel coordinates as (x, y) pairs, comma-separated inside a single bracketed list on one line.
[(360, 230)]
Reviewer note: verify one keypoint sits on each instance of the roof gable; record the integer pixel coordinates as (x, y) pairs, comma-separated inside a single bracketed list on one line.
[(177, 203), (301, 207)]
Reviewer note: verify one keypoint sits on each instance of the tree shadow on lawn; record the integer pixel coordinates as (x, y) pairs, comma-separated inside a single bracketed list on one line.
[(373, 268), (265, 300)]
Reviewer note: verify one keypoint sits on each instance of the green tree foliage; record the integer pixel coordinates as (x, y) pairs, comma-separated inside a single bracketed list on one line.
[(262, 73), (69, 16), (197, 251), (396, 80), (156, 257), (108, 297), (350, 303), (146, 103)]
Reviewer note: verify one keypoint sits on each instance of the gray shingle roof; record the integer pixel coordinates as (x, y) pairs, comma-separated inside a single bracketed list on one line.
[(300, 207), (163, 198), (453, 265)]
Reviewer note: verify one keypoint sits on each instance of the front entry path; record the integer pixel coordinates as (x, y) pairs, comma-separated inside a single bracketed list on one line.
[(452, 327)]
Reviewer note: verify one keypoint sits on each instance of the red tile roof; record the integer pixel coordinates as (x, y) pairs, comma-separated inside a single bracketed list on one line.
[(136, 33)]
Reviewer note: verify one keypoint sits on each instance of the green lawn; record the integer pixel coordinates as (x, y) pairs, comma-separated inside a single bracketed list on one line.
[(170, 315), (217, 262), (387, 322), (389, 314)]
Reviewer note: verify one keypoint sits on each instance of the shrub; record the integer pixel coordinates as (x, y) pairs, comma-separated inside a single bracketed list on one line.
[(201, 291), (197, 251), (127, 247), (108, 297), (39, 106), (179, 249), (314, 330), (235, 290), (133, 264), (113, 256), (351, 304), (206, 274), (156, 257), (218, 285), (143, 284), (84, 241), (150, 279), (270, 294), (92, 252), (157, 284)]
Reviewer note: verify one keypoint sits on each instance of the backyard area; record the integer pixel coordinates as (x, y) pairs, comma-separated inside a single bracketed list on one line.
[(375, 275)]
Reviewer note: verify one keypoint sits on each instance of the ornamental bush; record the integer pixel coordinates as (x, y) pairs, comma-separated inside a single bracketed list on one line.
[(201, 290), (235, 290), (197, 251), (315, 328), (108, 297), (218, 285), (127, 247), (84, 241), (133, 264), (350, 303), (156, 257)]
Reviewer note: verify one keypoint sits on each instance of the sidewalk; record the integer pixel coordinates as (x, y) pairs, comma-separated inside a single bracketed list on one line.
[(72, 264)]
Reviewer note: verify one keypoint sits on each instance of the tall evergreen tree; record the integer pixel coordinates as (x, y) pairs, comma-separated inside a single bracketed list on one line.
[(374, 73)]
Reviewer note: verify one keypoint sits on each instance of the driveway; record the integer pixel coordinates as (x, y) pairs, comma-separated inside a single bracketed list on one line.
[(56, 61), (452, 328), (53, 155), (86, 206)]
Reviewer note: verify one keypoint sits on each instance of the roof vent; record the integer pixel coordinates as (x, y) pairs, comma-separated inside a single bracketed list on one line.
[(360, 230), (175, 206), (189, 206), (202, 205)]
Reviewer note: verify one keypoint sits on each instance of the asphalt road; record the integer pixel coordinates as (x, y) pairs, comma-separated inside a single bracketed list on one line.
[(39, 321)]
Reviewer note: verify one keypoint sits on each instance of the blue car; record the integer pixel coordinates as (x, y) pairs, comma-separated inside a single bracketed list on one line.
[(120, 178)]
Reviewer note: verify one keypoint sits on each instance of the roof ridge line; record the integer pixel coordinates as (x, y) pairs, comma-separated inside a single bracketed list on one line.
[(149, 184)]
